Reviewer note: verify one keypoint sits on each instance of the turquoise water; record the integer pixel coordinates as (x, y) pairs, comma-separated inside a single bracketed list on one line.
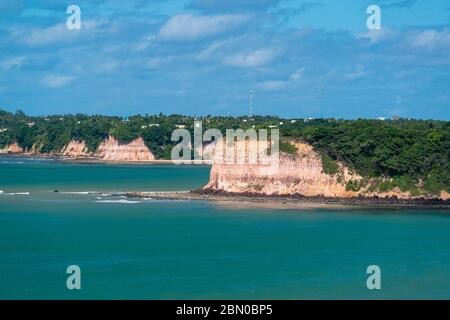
[(189, 250)]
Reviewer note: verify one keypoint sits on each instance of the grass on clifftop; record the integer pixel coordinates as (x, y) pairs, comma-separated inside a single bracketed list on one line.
[(329, 165), (287, 147)]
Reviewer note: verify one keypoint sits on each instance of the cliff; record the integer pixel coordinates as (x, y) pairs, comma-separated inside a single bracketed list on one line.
[(298, 174), (111, 149), (114, 150), (75, 149), (12, 148)]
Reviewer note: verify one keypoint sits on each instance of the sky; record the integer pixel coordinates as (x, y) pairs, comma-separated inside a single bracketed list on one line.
[(198, 57)]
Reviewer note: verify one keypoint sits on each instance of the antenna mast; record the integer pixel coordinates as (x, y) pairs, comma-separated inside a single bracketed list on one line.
[(252, 92)]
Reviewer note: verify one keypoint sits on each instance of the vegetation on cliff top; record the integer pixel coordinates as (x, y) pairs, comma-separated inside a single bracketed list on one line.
[(413, 154), (416, 154)]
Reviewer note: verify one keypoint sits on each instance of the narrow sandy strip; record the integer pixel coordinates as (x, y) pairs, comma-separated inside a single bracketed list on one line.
[(290, 202)]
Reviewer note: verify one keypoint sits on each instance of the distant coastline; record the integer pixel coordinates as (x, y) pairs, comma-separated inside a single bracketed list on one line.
[(94, 160), (330, 158)]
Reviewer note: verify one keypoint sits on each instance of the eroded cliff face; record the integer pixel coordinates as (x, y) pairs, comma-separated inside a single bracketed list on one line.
[(300, 174), (35, 149), (114, 150), (111, 149), (75, 149), (445, 195), (296, 174), (13, 148)]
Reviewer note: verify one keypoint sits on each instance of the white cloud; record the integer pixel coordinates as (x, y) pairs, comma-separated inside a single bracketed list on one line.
[(425, 39), (252, 59), (56, 81), (156, 62), (297, 74), (189, 27), (43, 36), (377, 36), (430, 39), (13, 62), (144, 43), (56, 33), (358, 73), (273, 85), (108, 66), (208, 52)]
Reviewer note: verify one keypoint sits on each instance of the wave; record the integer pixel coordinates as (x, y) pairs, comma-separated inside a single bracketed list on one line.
[(15, 193), (13, 162), (118, 201), (87, 193), (78, 192)]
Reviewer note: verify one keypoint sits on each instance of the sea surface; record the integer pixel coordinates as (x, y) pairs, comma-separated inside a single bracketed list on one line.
[(153, 249)]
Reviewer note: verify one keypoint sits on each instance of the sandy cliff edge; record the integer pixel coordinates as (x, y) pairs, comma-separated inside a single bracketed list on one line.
[(113, 149), (12, 148), (110, 150), (301, 174)]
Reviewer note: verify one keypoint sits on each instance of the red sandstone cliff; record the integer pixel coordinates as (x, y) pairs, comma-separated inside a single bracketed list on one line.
[(300, 174), (12, 148), (110, 149), (114, 150), (75, 149), (296, 174)]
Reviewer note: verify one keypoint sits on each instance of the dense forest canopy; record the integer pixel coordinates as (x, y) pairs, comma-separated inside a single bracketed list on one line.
[(415, 153)]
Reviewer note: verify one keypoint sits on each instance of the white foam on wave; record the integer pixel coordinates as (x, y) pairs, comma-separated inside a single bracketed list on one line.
[(118, 201), (87, 193), (78, 192), (16, 193)]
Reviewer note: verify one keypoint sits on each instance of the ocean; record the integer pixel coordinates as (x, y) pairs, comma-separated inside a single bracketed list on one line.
[(154, 249)]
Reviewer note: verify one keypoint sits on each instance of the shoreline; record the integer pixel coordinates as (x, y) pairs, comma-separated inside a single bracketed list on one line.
[(93, 160), (292, 201), (250, 198)]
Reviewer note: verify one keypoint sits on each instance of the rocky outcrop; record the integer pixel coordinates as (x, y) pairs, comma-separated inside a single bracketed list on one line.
[(296, 175), (113, 149), (75, 149), (299, 174), (13, 148)]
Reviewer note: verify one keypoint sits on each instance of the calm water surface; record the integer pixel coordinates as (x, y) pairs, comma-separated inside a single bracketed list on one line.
[(190, 249)]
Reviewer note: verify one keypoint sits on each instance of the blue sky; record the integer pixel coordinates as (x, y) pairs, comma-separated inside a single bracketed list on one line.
[(302, 58)]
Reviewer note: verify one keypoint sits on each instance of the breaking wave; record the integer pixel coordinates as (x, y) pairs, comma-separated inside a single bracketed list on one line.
[(118, 201), (15, 193)]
